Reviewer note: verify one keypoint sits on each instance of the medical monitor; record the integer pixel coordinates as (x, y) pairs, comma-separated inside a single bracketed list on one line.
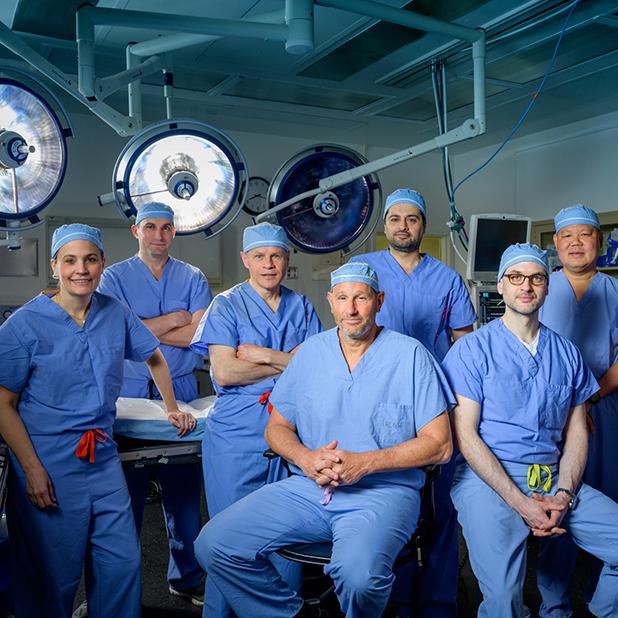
[(490, 235)]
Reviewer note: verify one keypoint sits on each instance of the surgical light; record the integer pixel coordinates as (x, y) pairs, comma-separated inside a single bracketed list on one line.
[(190, 166), (341, 219), (33, 153)]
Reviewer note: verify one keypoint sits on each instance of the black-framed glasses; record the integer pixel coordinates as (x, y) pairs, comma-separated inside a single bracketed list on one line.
[(535, 279)]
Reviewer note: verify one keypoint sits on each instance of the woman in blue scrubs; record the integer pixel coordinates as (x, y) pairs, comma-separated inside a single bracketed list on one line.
[(61, 359)]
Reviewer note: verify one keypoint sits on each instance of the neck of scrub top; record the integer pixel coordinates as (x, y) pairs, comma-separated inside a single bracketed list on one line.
[(155, 263), (354, 349), (271, 296), (525, 327), (407, 260), (76, 306)]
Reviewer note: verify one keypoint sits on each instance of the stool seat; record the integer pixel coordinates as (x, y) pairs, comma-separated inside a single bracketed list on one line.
[(308, 553)]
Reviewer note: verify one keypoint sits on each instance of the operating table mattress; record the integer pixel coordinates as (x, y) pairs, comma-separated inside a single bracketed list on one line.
[(145, 419)]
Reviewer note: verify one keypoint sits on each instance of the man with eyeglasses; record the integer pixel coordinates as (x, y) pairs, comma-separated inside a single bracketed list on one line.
[(583, 307), (520, 422)]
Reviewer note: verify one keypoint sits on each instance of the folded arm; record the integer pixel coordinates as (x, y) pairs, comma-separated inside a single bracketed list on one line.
[(176, 328), (229, 370)]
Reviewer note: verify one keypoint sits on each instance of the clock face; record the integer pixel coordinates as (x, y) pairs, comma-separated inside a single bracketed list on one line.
[(257, 196)]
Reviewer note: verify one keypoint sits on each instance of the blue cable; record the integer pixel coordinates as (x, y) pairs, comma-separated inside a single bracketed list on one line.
[(530, 105)]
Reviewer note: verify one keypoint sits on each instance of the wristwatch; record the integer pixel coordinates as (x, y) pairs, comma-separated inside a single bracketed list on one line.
[(594, 398), (572, 497)]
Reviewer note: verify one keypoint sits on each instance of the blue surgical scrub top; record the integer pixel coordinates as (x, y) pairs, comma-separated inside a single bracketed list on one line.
[(525, 400), (69, 377), (240, 315), (427, 304), (394, 391), (182, 287), (591, 324)]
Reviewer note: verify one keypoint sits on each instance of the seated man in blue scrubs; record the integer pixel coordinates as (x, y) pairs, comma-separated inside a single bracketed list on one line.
[(357, 412), (170, 297), (583, 307), (427, 300), (520, 423), (250, 333)]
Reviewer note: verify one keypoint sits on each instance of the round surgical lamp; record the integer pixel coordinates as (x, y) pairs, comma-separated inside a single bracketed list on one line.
[(33, 152), (341, 219), (192, 167)]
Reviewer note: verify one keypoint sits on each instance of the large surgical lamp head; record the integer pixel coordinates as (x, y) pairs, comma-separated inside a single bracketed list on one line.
[(341, 219), (33, 153), (192, 167)]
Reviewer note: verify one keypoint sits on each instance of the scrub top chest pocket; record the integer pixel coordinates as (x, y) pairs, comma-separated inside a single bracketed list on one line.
[(391, 424)]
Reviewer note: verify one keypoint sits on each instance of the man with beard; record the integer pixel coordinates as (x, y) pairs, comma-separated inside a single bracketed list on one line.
[(520, 423), (357, 412), (427, 300)]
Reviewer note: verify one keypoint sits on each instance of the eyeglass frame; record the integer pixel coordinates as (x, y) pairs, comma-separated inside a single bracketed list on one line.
[(529, 277)]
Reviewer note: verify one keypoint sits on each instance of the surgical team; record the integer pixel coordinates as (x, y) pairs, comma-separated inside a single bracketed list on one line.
[(520, 415)]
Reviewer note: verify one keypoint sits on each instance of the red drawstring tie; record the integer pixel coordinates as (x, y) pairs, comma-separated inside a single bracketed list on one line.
[(264, 399), (88, 443)]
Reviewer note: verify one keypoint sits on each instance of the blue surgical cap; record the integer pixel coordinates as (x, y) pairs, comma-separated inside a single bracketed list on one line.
[(576, 214), (75, 231), (522, 252), (154, 210), (355, 272), (406, 196), (264, 235)]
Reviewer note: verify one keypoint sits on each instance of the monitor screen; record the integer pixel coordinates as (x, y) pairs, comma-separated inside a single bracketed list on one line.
[(490, 236)]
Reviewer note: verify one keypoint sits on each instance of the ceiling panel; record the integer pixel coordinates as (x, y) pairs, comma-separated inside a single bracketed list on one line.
[(382, 39), (280, 92)]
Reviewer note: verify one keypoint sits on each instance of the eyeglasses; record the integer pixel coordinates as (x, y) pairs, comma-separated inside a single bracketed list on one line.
[(535, 279)]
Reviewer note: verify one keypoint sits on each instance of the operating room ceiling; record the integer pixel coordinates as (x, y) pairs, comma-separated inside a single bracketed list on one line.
[(366, 81)]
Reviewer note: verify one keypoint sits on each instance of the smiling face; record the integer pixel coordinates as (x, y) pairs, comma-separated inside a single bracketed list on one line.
[(78, 266), (267, 266), (354, 306), (155, 237), (404, 227), (578, 246), (524, 298)]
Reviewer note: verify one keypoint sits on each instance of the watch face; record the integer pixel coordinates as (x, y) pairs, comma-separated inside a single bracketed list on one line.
[(257, 196)]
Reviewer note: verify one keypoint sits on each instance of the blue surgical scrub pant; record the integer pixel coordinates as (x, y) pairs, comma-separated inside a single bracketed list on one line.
[(181, 491), (234, 466), (92, 526), (368, 526), (557, 557), (496, 537)]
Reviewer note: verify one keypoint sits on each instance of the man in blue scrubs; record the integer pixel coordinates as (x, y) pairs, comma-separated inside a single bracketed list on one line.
[(250, 333), (427, 300), (357, 412), (583, 307), (170, 297), (520, 423)]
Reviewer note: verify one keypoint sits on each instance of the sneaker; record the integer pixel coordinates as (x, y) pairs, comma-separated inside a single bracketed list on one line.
[(194, 595), (81, 611)]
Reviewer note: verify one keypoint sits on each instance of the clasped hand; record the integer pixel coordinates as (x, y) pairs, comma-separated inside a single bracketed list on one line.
[(329, 465), (544, 514)]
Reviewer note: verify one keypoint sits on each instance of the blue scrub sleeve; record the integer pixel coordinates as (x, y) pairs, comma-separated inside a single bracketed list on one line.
[(462, 372), (314, 326), (284, 394), (217, 326), (432, 393), (140, 343), (14, 359), (109, 286), (461, 312), (584, 383), (200, 296)]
